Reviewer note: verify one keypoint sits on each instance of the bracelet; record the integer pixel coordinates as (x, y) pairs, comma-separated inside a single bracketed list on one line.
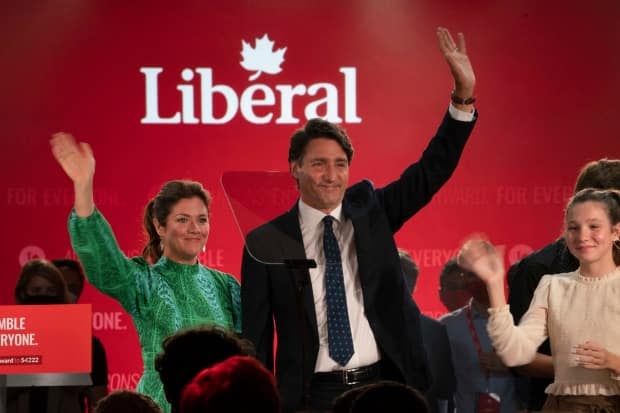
[(459, 100)]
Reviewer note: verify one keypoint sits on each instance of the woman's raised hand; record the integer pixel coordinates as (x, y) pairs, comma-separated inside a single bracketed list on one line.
[(480, 257), (76, 159), (78, 162)]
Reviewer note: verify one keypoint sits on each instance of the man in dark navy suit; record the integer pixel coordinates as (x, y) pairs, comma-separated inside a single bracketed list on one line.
[(350, 321)]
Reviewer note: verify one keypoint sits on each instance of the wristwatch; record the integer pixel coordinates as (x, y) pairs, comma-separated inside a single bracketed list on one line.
[(461, 101)]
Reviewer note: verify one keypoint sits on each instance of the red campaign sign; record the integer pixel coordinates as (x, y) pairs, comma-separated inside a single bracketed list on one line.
[(45, 338)]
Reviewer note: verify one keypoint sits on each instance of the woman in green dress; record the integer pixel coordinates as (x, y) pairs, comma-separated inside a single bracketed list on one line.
[(166, 289)]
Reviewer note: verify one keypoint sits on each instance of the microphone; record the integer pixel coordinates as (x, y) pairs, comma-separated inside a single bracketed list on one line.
[(299, 263)]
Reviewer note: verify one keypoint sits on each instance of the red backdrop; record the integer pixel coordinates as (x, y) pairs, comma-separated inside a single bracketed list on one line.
[(547, 86)]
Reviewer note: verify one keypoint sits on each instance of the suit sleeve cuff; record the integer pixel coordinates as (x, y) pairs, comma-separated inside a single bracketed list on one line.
[(460, 115)]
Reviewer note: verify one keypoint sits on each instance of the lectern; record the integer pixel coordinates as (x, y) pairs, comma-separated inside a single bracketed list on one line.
[(44, 345)]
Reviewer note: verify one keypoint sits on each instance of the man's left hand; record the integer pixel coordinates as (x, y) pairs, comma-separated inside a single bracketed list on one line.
[(458, 61)]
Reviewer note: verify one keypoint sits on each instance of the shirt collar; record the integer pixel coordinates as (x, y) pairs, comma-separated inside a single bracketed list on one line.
[(313, 217)]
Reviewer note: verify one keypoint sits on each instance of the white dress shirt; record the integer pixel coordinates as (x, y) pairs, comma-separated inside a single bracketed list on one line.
[(364, 343)]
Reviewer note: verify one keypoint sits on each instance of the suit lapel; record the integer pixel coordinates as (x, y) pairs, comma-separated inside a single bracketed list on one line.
[(361, 233), (292, 246)]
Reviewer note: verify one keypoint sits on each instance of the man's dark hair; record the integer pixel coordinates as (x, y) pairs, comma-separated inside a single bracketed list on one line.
[(189, 351), (126, 401), (450, 268), (601, 174), (343, 403), (389, 396), (318, 128), (238, 384)]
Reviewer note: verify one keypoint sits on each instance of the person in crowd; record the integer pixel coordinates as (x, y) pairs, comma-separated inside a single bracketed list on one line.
[(126, 401), (453, 292), (74, 278), (167, 288), (440, 395), (481, 377), (385, 396), (389, 396), (237, 384), (189, 351), (578, 311), (40, 282), (343, 402), (554, 258), (350, 321)]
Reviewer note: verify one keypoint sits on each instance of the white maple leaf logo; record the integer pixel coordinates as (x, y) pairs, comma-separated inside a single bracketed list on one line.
[(261, 58)]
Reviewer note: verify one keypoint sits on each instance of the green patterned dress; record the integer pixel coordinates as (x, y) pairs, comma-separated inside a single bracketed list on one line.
[(161, 299)]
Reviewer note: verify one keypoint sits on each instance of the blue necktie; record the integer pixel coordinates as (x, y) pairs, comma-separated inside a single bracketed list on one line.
[(338, 328)]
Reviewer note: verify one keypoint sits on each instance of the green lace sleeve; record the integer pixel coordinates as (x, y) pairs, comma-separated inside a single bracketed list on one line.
[(105, 265), (235, 296)]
